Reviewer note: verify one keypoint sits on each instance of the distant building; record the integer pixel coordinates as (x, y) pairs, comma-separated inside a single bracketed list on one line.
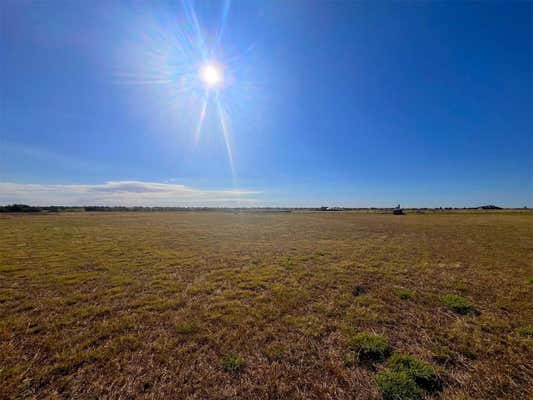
[(398, 210), (489, 207)]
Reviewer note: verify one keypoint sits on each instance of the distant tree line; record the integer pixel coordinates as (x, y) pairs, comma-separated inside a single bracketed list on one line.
[(19, 208), (24, 208)]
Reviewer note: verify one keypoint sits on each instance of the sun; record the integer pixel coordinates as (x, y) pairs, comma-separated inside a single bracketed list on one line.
[(211, 75)]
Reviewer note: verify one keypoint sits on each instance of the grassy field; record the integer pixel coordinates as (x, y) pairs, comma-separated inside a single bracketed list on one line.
[(266, 306)]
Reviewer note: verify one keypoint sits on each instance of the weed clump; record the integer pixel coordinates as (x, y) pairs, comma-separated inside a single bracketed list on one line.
[(233, 363), (421, 372), (126, 343), (457, 303), (525, 331), (407, 378), (146, 386), (275, 351), (442, 354), (404, 294), (187, 328), (359, 290), (398, 385), (369, 346)]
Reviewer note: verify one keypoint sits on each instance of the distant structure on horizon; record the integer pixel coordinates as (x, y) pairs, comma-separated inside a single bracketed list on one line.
[(324, 208), (489, 207), (398, 210)]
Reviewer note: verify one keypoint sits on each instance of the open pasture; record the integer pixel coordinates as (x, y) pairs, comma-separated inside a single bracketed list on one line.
[(302, 305)]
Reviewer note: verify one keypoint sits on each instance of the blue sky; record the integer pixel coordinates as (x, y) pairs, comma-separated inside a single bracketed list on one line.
[(322, 103)]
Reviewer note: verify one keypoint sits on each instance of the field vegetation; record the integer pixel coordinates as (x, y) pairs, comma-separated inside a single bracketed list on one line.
[(301, 305)]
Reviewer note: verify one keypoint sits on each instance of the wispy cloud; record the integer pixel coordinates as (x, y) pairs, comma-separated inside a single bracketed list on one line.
[(45, 155), (123, 193)]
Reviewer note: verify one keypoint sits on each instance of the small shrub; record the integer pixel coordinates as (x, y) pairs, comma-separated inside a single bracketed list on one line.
[(146, 386), (491, 324), (187, 328), (420, 371), (395, 385), (457, 303), (525, 331), (350, 359), (358, 290), (275, 351), (442, 354), (369, 346), (126, 343), (404, 294), (7, 294), (233, 364)]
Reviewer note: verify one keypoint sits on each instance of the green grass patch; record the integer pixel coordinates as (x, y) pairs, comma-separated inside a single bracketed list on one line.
[(275, 351), (233, 364), (404, 294), (398, 385), (420, 371), (457, 303), (525, 331), (369, 346), (187, 328), (8, 295)]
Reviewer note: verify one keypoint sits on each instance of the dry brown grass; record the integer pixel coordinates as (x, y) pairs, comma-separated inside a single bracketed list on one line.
[(256, 306)]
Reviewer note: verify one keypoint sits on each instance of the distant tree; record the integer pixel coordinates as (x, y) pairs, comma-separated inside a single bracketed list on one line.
[(19, 208)]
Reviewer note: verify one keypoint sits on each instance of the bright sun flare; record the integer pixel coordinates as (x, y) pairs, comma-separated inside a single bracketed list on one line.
[(211, 75)]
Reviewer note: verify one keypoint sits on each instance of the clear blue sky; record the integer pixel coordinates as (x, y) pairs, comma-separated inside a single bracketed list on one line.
[(323, 103)]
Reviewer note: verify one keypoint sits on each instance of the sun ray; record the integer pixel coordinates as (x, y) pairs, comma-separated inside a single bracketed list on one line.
[(225, 12), (224, 124), (225, 133), (193, 20), (203, 111)]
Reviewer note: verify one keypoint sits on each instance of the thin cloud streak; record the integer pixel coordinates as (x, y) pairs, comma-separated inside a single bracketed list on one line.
[(121, 193), (45, 155)]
